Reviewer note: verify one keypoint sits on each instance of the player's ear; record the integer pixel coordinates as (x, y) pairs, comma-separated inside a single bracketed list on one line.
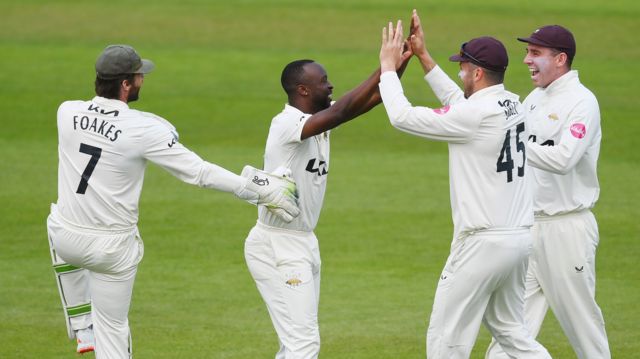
[(125, 84), (561, 59), (302, 90), (125, 87), (478, 73)]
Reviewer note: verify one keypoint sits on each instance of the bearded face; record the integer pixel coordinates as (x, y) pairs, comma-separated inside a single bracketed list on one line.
[(134, 91)]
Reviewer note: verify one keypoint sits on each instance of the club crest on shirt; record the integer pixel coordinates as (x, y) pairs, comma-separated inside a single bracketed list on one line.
[(293, 280), (442, 110), (578, 130), (553, 116)]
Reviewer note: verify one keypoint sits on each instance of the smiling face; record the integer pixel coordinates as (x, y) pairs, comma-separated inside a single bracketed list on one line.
[(316, 84), (545, 64)]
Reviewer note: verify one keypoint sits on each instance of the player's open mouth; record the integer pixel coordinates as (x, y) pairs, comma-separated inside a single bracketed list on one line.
[(533, 72), (330, 96)]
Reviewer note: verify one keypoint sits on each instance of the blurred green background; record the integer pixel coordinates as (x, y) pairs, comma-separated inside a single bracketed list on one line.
[(386, 225)]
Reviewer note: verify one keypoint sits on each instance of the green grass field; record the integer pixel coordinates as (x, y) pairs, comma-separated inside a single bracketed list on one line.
[(386, 225)]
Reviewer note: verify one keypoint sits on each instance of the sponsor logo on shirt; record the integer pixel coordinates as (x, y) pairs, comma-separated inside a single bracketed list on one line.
[(96, 109), (321, 169), (578, 130), (174, 140), (442, 110)]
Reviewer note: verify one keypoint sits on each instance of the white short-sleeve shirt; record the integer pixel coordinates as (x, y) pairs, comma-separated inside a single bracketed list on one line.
[(308, 160)]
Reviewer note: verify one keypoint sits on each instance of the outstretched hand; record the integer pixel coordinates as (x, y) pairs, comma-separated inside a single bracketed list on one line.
[(391, 51), (416, 39), (276, 191), (417, 35)]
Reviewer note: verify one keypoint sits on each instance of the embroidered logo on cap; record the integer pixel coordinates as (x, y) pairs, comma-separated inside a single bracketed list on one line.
[(578, 130), (442, 110)]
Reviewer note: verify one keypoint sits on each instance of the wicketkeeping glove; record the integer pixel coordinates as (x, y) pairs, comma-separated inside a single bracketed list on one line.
[(277, 192)]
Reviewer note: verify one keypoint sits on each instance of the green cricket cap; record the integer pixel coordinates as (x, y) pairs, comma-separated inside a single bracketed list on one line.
[(117, 60)]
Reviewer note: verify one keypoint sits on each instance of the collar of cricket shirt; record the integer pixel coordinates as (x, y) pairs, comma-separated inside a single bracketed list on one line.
[(487, 91), (289, 108), (110, 103), (561, 82)]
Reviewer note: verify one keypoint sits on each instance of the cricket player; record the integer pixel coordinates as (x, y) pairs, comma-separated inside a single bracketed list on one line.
[(284, 258), (483, 124), (563, 149), (103, 149)]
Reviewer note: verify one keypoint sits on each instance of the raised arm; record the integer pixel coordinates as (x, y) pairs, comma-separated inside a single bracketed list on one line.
[(406, 57), (446, 124), (418, 45), (447, 91), (354, 103)]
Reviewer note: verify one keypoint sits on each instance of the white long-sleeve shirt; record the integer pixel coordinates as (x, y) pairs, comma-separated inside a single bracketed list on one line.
[(103, 149), (486, 135), (564, 119)]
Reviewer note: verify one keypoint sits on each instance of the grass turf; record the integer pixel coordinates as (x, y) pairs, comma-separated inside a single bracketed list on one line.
[(385, 228)]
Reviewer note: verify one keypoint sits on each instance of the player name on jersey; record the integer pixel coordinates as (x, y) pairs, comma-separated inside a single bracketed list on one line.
[(97, 125), (510, 107)]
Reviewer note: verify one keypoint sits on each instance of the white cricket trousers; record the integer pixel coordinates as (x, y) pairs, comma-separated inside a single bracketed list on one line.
[(73, 286), (112, 261), (562, 275), (483, 281), (285, 265)]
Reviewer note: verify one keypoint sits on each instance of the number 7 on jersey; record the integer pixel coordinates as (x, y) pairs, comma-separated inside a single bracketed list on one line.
[(95, 153)]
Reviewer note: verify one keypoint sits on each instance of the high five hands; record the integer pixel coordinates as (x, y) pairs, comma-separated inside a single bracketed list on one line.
[(395, 50), (392, 47)]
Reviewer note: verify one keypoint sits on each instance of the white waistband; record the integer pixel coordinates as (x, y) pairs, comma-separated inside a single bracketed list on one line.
[(84, 229), (497, 231), (545, 217)]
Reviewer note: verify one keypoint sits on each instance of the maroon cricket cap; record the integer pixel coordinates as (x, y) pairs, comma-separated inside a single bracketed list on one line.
[(485, 52), (553, 36)]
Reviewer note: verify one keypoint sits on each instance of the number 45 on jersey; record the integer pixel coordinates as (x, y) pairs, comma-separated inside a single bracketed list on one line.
[(505, 161)]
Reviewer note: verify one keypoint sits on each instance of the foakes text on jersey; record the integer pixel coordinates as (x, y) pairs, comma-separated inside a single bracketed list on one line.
[(96, 125)]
